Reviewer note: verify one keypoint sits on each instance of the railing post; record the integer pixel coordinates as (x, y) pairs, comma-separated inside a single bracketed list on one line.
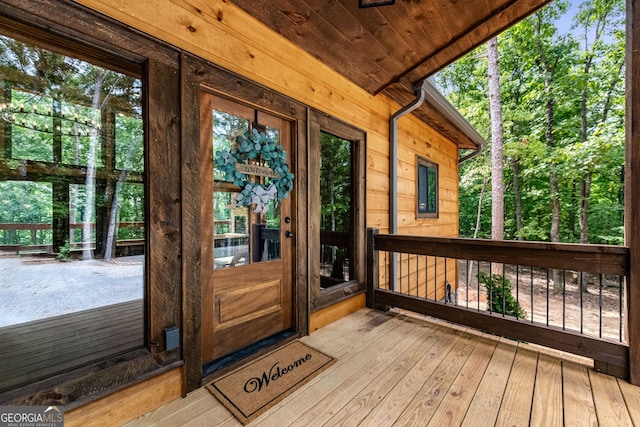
[(373, 270), (631, 187)]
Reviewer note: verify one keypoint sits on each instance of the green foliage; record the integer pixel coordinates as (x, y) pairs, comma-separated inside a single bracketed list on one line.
[(335, 183), (62, 111), (539, 65), (65, 252), (501, 298)]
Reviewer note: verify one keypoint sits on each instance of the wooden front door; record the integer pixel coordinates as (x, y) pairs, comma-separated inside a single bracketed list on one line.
[(246, 255)]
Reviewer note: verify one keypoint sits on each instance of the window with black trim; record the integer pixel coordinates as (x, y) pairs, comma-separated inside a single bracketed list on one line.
[(427, 197)]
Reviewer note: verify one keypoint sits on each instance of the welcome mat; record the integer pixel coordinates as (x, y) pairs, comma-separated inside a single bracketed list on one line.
[(253, 388)]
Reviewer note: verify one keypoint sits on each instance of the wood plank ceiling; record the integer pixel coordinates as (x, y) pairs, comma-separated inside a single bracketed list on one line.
[(389, 49)]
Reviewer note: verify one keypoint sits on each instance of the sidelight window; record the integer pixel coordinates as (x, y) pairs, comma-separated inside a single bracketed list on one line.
[(336, 214)]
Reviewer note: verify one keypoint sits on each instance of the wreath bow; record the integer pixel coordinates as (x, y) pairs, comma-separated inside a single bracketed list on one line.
[(261, 197)]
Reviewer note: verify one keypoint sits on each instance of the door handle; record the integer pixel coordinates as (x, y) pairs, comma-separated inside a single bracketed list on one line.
[(288, 234)]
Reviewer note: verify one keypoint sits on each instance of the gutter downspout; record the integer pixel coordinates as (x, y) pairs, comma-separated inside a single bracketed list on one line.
[(421, 93), (471, 155)]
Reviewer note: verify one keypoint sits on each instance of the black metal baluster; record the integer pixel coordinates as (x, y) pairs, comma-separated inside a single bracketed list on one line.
[(547, 297), (600, 304), (435, 278), (490, 288), (531, 287), (564, 299), (467, 278), (517, 290), (621, 280), (504, 297), (581, 305)]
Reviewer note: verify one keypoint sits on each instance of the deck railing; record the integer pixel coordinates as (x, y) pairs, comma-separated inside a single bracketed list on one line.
[(564, 296), (34, 235)]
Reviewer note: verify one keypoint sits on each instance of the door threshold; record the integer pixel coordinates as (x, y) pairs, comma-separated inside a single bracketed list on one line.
[(226, 363)]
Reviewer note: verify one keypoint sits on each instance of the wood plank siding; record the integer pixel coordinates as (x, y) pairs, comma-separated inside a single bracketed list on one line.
[(400, 369)]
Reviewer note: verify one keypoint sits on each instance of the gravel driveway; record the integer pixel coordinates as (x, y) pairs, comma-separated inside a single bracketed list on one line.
[(35, 288)]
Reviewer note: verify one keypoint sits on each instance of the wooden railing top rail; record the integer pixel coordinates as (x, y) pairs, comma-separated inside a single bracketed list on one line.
[(597, 259), (49, 226)]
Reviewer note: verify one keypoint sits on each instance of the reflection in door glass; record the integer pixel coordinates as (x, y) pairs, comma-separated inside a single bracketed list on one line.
[(241, 235), (72, 211), (336, 214)]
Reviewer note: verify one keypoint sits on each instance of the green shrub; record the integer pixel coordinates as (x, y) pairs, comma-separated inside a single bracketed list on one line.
[(501, 299), (65, 252)]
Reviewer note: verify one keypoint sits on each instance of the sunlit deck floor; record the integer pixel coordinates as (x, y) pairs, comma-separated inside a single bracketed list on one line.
[(396, 369)]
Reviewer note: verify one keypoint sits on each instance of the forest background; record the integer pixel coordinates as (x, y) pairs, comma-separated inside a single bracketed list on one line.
[(559, 126)]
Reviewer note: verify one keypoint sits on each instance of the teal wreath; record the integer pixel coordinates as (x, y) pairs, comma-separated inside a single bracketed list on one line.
[(256, 146)]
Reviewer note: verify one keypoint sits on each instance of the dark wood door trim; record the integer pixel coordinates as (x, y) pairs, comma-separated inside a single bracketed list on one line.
[(198, 75)]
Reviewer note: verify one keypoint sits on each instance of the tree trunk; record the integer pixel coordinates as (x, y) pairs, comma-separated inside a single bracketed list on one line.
[(497, 137), (517, 197), (553, 177), (585, 194), (475, 232), (87, 252), (112, 232), (553, 181), (572, 212)]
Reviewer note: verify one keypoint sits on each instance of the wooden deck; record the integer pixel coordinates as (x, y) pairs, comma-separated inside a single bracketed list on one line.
[(58, 343), (397, 369)]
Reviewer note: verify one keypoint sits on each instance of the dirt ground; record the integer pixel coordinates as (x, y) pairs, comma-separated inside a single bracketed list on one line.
[(581, 311)]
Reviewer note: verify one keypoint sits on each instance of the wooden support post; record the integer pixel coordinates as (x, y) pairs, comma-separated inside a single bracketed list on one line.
[(60, 214), (60, 187), (5, 127), (632, 188)]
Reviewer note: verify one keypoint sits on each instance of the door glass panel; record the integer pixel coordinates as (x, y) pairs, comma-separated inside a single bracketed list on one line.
[(242, 234), (336, 216)]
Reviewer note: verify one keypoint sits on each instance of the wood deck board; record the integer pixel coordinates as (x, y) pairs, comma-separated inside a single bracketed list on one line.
[(463, 389), (32, 350), (393, 405), (515, 408), (483, 409), (389, 364), (317, 390), (56, 326), (631, 396), (579, 409), (547, 394), (387, 410), (394, 371), (433, 392), (610, 405)]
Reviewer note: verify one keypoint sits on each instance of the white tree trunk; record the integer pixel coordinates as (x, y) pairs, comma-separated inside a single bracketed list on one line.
[(497, 137)]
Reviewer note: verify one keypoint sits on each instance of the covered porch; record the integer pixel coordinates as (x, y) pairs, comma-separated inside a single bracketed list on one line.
[(398, 368)]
